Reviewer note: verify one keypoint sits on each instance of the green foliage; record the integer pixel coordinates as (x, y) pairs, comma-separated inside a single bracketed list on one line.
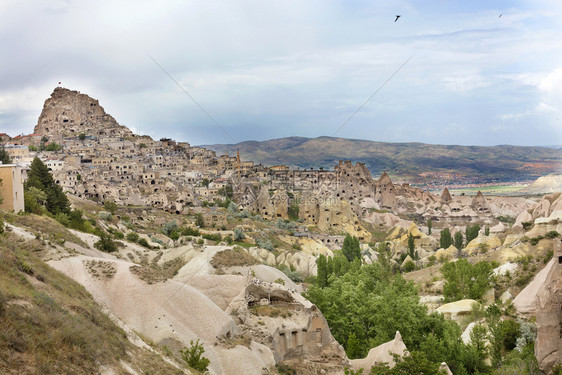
[(293, 211), (285, 224), (143, 242), (32, 148), (212, 237), (205, 182), (110, 206), (40, 178), (132, 236), (445, 240), (193, 356), (4, 156), (53, 147), (411, 246), (1, 226), (552, 234), (487, 231), (265, 244), (471, 232), (429, 226), (458, 240), (322, 271), (81, 136), (105, 243), (464, 280), (169, 228), (409, 266), (353, 347), (188, 231), (414, 363), (239, 234), (226, 191), (105, 215), (199, 220), (351, 248)]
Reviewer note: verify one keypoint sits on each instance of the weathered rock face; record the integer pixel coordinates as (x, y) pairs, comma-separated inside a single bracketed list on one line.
[(446, 196), (548, 346), (479, 203), (68, 113), (385, 194), (380, 354)]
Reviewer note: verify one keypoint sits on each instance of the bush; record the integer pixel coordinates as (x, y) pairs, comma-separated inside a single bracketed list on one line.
[(285, 224), (144, 242), (552, 234), (105, 243), (1, 226), (212, 237), (199, 221), (193, 356), (265, 244), (239, 234), (190, 231), (110, 206), (465, 280), (169, 227), (3, 304), (409, 266), (133, 237), (105, 215)]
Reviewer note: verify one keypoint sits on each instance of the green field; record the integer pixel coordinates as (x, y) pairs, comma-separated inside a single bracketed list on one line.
[(489, 190)]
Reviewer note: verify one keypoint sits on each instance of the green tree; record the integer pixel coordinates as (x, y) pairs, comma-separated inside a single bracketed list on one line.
[(40, 178), (414, 363), (471, 232), (464, 280), (193, 356), (458, 240), (105, 243), (411, 246), (322, 271), (353, 347), (205, 182), (199, 221), (487, 231), (351, 248), (110, 206), (429, 226), (445, 240), (81, 136), (4, 156)]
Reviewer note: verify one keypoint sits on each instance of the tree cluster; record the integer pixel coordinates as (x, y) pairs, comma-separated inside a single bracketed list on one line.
[(40, 191)]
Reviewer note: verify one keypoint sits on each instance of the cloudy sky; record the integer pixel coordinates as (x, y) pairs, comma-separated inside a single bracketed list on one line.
[(266, 69)]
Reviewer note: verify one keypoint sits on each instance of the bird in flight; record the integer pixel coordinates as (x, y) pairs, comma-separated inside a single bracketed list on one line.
[(500, 16), (397, 16)]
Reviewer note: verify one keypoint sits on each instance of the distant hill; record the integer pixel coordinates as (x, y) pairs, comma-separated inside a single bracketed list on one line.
[(406, 160)]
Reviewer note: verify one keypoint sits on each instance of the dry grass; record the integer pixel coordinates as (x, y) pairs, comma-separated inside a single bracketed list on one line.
[(232, 257), (50, 324), (100, 268), (154, 273)]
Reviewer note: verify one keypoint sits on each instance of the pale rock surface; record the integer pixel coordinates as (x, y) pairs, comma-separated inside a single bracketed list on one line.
[(455, 310), (488, 242), (525, 302), (380, 354), (506, 297)]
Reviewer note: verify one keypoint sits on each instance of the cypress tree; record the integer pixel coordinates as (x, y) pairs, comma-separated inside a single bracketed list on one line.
[(458, 240), (39, 177), (322, 271), (446, 240)]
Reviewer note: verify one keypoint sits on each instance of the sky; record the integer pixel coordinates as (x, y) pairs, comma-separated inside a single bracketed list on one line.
[(446, 72)]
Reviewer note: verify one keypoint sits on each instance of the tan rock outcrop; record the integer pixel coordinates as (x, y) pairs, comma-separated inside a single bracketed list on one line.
[(69, 113), (381, 354), (446, 196), (548, 345)]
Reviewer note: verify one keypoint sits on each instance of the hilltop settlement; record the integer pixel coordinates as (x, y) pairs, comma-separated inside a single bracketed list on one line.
[(267, 269)]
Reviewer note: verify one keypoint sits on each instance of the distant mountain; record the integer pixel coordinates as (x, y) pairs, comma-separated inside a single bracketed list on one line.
[(406, 160)]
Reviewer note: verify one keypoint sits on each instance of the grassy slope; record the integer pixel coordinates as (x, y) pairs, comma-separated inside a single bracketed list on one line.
[(50, 324), (401, 159)]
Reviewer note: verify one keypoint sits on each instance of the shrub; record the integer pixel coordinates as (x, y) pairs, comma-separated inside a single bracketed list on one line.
[(105, 243), (190, 231), (105, 215), (144, 242), (132, 236), (199, 221), (212, 237), (2, 304), (265, 244), (239, 234), (285, 224), (552, 234), (110, 206), (169, 227), (193, 356), (409, 266), (1, 226)]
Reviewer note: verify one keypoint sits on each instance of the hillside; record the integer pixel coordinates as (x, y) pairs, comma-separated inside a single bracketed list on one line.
[(406, 160)]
